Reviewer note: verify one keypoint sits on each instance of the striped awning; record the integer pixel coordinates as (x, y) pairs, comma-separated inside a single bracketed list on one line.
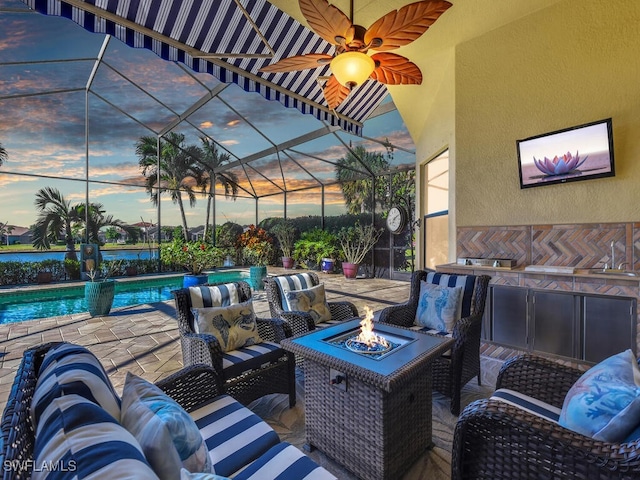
[(230, 39)]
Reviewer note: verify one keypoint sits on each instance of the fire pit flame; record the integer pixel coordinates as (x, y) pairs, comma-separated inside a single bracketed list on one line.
[(367, 336), (367, 341)]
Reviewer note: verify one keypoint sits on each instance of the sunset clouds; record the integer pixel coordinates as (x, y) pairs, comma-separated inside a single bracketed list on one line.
[(45, 65)]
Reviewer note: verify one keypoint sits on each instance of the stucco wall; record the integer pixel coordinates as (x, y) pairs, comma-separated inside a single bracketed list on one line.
[(574, 62)]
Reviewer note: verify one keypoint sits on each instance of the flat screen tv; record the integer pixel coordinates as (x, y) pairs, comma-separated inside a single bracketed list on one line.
[(577, 153)]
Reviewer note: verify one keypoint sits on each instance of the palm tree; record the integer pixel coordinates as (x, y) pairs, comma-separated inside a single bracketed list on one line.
[(357, 191), (177, 170), (99, 219), (211, 160), (55, 215), (4, 156)]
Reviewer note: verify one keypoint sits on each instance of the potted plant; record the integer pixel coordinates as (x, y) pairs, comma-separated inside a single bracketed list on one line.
[(257, 247), (314, 246), (286, 234), (193, 257), (356, 242), (100, 289), (45, 271)]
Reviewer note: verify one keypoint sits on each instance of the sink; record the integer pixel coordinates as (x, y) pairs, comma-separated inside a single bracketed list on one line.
[(615, 271)]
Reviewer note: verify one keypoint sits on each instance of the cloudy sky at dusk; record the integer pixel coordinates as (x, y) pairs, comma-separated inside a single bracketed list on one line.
[(44, 134)]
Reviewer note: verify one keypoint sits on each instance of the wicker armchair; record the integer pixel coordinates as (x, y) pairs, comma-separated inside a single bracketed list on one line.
[(301, 322), (275, 374), (454, 369), (496, 440)]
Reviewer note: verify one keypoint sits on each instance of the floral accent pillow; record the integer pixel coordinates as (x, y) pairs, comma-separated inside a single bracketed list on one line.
[(234, 325), (311, 300), (438, 306), (169, 437), (605, 401)]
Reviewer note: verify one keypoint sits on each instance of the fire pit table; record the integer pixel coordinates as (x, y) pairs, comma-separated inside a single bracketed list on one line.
[(370, 411)]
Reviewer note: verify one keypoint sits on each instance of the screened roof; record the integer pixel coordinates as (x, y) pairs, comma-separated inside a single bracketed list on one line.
[(54, 74)]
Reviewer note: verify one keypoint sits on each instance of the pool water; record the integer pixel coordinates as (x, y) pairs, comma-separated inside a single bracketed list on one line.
[(64, 300)]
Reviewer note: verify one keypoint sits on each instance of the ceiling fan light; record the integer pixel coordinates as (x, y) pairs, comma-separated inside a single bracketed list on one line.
[(352, 68)]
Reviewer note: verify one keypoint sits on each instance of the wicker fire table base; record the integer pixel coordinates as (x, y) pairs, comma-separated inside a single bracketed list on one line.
[(374, 433)]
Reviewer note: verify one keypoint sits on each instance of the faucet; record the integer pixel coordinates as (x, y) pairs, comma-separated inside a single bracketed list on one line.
[(613, 255)]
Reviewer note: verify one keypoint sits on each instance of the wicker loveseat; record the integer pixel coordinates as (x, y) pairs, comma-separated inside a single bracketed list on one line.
[(455, 369), (496, 440), (78, 437), (248, 373)]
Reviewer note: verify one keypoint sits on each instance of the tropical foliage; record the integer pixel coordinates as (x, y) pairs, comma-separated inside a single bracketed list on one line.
[(209, 161), (356, 241), (358, 175), (256, 246), (313, 246), (176, 169), (194, 257), (286, 234), (3, 155), (56, 215)]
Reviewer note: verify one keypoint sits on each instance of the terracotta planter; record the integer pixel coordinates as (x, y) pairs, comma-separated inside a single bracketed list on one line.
[(99, 297), (190, 280), (44, 277), (131, 271), (350, 270), (287, 262)]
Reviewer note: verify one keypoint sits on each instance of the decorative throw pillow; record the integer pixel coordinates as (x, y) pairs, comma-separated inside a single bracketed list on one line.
[(79, 439), (72, 369), (286, 283), (311, 300), (467, 282), (234, 326), (213, 296), (167, 434), (438, 306), (605, 401)]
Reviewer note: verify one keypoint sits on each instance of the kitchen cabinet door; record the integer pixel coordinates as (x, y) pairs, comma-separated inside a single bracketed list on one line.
[(555, 323), (509, 316), (609, 326)]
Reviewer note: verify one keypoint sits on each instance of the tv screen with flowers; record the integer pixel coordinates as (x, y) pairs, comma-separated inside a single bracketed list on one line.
[(582, 152)]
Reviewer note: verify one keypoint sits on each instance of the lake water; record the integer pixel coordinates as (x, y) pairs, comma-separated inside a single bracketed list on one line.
[(119, 254)]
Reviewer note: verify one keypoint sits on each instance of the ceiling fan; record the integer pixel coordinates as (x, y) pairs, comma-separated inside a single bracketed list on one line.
[(350, 64)]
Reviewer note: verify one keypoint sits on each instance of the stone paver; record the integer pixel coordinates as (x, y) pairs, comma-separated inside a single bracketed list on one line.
[(144, 339)]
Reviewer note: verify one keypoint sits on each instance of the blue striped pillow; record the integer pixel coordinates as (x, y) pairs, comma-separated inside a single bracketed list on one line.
[(214, 296), (72, 369), (77, 439), (467, 282), (287, 283)]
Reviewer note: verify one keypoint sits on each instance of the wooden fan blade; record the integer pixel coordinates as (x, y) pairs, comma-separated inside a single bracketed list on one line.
[(403, 26), (299, 62), (327, 21), (334, 92), (394, 69)]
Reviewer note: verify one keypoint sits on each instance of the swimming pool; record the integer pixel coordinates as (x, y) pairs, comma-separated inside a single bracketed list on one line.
[(63, 300)]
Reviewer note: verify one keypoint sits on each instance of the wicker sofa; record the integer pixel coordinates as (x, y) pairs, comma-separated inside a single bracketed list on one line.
[(239, 444), (496, 440)]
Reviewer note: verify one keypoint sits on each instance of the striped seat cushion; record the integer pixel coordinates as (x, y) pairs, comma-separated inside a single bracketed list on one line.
[(467, 282), (214, 296), (287, 283), (76, 438), (235, 436), (527, 403), (71, 369), (235, 362), (283, 462)]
